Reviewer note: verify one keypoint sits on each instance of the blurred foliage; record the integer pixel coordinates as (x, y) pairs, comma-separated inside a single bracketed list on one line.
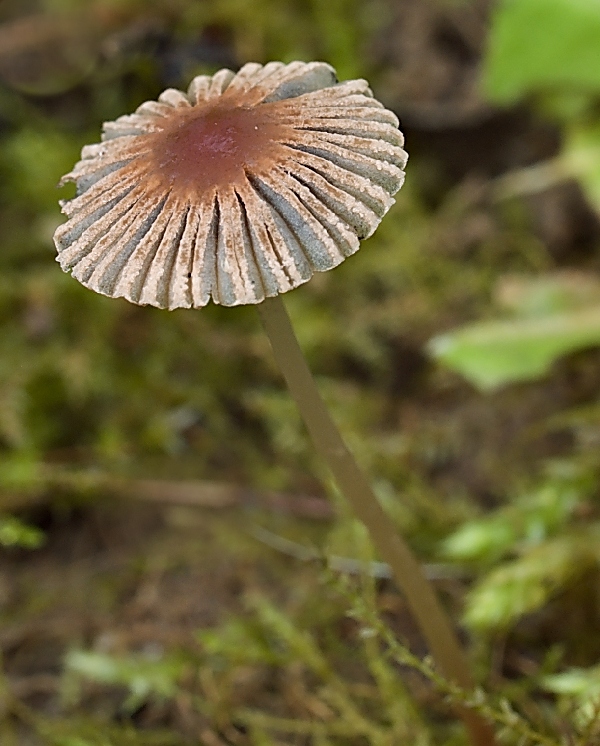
[(555, 314), (581, 157), (16, 533), (528, 520), (580, 688), (545, 49), (92, 389), (543, 545), (243, 650), (314, 663), (535, 547), (143, 675), (543, 45)]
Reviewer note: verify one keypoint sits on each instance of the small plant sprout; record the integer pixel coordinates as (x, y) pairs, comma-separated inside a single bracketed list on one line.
[(237, 191)]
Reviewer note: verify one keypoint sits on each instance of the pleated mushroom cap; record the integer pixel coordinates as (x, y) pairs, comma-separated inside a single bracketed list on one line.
[(237, 191)]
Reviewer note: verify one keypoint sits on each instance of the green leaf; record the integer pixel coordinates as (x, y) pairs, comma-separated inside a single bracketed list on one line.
[(492, 353), (549, 293), (581, 158), (143, 676), (527, 520), (542, 44), (526, 584), (575, 681), (579, 687), (15, 533), (241, 641), (480, 540)]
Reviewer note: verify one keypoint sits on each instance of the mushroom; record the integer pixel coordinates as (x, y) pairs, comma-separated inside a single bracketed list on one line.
[(238, 191)]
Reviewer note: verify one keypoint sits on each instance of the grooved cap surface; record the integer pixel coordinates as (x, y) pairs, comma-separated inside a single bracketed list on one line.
[(237, 190)]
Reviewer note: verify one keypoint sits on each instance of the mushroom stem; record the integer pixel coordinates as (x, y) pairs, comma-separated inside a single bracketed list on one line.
[(420, 595)]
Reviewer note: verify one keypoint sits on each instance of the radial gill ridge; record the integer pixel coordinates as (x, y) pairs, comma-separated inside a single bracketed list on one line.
[(236, 190)]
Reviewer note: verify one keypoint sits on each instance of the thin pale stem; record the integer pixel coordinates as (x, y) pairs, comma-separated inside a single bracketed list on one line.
[(421, 598)]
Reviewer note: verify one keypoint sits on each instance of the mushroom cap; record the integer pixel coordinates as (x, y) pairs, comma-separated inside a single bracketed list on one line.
[(237, 190)]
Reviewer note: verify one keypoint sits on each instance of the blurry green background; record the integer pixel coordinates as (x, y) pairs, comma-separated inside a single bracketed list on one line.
[(457, 350)]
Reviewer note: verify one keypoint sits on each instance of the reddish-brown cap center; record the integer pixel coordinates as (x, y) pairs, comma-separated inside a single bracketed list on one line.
[(212, 146)]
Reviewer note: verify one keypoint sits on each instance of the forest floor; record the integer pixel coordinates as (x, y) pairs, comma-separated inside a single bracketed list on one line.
[(136, 567)]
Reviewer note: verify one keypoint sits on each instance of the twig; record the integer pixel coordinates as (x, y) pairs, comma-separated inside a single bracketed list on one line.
[(346, 565)]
